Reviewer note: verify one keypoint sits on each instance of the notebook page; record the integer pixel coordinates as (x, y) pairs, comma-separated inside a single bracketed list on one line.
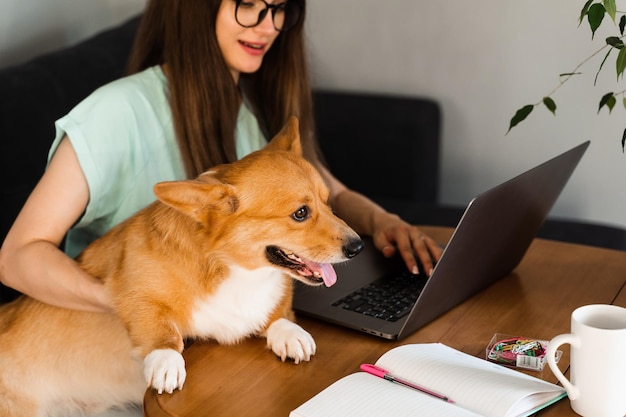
[(474, 384), (364, 395)]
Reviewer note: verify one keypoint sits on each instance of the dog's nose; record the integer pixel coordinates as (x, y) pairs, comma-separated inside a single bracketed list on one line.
[(353, 247)]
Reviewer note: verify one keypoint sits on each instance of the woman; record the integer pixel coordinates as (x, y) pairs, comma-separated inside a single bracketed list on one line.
[(199, 94)]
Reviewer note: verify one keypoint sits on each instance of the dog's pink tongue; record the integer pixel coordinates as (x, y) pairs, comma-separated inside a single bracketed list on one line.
[(328, 274), (326, 271)]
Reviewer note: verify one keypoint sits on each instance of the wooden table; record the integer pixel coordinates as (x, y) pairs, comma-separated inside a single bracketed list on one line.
[(536, 300)]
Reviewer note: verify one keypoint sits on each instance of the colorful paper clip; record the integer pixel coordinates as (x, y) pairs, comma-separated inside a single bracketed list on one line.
[(507, 350)]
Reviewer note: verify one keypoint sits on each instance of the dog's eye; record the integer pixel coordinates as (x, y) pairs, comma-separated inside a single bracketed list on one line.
[(301, 214)]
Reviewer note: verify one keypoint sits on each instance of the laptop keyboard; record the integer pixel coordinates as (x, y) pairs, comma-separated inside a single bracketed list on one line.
[(388, 298)]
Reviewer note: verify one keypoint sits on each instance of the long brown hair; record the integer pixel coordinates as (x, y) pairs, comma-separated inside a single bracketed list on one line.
[(203, 95)]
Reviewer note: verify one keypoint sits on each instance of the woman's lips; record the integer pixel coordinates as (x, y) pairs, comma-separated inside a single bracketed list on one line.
[(253, 48)]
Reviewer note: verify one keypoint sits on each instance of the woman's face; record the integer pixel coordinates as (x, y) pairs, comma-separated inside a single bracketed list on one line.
[(243, 48)]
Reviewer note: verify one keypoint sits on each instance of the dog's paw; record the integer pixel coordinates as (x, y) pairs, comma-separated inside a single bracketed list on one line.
[(164, 370), (288, 340)]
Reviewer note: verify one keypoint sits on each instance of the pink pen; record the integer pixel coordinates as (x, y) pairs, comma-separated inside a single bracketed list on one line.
[(381, 373)]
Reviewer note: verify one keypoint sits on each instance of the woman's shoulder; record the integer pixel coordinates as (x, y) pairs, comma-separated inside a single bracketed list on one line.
[(150, 85), (135, 99)]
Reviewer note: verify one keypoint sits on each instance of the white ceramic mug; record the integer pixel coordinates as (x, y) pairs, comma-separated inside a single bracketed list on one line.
[(597, 361)]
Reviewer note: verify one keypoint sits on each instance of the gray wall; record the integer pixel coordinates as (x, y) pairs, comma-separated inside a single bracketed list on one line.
[(481, 59), (30, 27)]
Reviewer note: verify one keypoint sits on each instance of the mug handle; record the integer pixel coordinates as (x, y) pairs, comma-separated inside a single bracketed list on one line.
[(572, 391)]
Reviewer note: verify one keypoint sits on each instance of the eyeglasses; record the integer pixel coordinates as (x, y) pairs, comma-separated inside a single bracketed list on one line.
[(250, 13)]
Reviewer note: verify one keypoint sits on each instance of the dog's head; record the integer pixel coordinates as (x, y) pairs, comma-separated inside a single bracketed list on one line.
[(267, 209)]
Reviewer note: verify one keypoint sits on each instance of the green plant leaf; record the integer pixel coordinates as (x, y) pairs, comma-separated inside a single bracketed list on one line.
[(611, 9), (606, 100), (622, 24), (584, 11), (615, 42), (550, 104), (601, 65), (520, 115), (620, 62), (594, 16), (569, 74), (624, 102), (611, 103)]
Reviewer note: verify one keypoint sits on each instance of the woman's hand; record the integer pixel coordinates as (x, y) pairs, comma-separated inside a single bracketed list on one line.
[(392, 234)]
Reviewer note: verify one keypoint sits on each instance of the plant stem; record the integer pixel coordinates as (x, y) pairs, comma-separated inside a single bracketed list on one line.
[(575, 71)]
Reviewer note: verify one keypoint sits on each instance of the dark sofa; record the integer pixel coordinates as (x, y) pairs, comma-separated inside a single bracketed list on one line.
[(384, 146)]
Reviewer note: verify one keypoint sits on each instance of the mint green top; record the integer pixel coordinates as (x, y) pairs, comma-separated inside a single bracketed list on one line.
[(124, 138)]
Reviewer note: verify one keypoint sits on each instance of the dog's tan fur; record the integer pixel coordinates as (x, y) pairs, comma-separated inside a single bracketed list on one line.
[(191, 265)]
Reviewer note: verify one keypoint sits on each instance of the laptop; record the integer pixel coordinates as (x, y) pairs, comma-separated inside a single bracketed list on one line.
[(489, 241)]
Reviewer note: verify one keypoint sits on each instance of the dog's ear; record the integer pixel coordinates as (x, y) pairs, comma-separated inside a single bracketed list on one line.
[(197, 199), (288, 139)]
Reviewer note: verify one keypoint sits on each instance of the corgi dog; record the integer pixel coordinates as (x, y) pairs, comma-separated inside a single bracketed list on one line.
[(211, 258)]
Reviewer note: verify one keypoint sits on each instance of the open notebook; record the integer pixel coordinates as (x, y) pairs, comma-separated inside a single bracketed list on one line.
[(488, 243), (474, 387)]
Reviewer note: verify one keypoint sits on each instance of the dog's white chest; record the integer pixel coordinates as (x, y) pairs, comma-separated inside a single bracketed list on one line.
[(240, 306)]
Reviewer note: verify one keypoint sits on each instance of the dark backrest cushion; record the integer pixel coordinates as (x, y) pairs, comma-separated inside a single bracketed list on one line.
[(384, 146), (35, 94)]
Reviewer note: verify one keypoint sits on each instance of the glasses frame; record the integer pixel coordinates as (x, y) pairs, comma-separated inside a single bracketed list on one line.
[(273, 8)]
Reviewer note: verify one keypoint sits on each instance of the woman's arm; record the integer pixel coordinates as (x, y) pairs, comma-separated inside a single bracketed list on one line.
[(389, 231), (30, 259)]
